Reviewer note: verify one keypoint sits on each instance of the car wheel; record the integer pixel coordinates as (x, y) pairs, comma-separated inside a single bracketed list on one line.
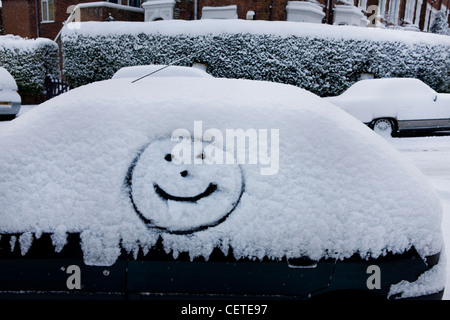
[(384, 127)]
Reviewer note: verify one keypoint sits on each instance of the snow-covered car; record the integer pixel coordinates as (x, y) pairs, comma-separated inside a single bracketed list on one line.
[(210, 188), (10, 100), (396, 105), (156, 70)]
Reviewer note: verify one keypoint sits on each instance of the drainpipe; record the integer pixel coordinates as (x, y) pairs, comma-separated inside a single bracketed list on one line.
[(271, 10), (195, 9), (37, 18), (328, 12)]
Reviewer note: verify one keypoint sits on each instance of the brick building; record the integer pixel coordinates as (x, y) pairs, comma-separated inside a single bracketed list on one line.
[(1, 19), (406, 13), (45, 18)]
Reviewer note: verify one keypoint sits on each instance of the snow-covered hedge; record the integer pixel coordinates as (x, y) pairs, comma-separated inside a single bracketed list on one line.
[(321, 58), (29, 61)]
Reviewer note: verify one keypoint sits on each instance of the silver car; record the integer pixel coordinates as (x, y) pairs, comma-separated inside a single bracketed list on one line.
[(10, 100), (396, 105)]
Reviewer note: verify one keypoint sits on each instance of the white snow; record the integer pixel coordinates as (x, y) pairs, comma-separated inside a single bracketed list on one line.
[(12, 42), (432, 156), (279, 28), (340, 188), (159, 71), (426, 284), (96, 4)]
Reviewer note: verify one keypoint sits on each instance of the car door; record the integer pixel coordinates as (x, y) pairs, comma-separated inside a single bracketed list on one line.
[(419, 107), (441, 105)]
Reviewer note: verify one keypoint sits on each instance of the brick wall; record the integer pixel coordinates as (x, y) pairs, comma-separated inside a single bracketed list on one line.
[(278, 11), (19, 17), (102, 13), (51, 29), (1, 21), (21, 25)]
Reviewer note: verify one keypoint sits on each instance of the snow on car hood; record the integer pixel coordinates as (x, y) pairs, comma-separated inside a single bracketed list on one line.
[(100, 160)]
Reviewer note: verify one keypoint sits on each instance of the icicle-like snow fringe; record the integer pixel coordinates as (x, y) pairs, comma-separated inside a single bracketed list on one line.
[(25, 241), (59, 238)]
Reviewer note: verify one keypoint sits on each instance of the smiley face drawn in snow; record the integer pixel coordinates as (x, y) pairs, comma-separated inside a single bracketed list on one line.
[(179, 197)]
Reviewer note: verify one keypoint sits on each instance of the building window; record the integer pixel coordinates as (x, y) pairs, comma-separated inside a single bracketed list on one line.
[(382, 4), (427, 17), (394, 7), (409, 11), (134, 3), (48, 10), (362, 4), (418, 8), (432, 17)]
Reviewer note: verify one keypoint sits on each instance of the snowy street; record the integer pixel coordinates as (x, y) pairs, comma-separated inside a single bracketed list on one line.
[(431, 154)]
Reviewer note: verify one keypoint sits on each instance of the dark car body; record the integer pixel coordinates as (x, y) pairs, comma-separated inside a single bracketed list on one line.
[(43, 273), (94, 205)]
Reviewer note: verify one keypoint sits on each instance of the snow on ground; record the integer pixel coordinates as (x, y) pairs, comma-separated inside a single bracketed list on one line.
[(431, 155)]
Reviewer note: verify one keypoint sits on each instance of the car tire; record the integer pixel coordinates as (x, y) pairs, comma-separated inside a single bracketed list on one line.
[(384, 127)]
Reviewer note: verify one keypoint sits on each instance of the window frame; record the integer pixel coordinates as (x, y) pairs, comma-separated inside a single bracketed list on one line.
[(130, 3), (382, 8), (410, 6), (418, 10), (393, 11), (47, 11)]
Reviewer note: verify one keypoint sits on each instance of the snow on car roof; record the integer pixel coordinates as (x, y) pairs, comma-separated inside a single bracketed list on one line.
[(388, 87), (159, 71), (7, 82), (100, 160)]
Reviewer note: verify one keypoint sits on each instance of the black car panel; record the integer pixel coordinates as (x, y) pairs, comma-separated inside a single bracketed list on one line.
[(41, 272)]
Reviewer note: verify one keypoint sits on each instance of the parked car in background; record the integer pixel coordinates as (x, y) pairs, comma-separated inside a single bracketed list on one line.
[(396, 105), (10, 100), (156, 70), (176, 187)]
